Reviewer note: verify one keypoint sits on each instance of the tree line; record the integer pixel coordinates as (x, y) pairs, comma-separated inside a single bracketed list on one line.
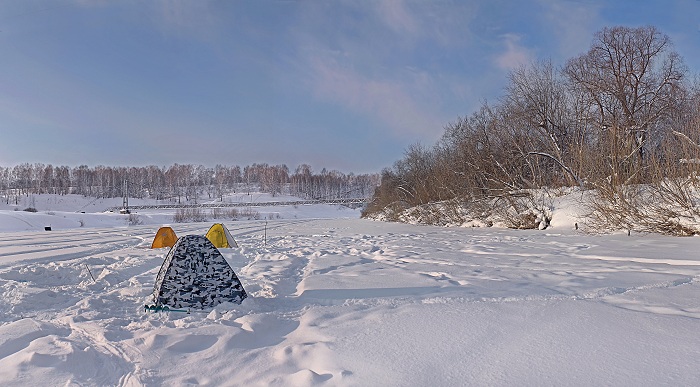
[(623, 118), (182, 182)]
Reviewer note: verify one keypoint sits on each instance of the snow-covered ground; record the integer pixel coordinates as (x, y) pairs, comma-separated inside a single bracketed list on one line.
[(61, 212), (340, 301)]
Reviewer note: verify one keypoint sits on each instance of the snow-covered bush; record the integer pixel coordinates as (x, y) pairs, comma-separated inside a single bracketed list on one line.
[(666, 207), (183, 215), (133, 219), (526, 210)]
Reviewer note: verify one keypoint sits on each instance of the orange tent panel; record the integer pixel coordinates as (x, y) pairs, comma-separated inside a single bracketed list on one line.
[(165, 237)]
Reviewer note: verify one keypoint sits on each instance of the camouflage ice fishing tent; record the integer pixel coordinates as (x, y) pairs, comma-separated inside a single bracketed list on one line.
[(196, 275), (220, 237), (165, 237)]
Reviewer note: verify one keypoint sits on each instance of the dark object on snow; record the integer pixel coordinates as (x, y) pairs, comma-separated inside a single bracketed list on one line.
[(165, 308), (196, 275), (47, 228)]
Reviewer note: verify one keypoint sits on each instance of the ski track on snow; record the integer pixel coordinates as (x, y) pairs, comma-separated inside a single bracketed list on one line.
[(297, 274)]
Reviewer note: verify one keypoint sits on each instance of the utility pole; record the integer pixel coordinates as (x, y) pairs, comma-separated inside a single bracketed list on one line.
[(125, 201)]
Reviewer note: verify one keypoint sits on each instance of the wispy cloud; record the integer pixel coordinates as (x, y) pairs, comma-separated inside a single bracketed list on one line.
[(376, 62), (403, 105), (396, 15), (199, 19), (573, 22), (195, 19), (442, 23), (514, 55)]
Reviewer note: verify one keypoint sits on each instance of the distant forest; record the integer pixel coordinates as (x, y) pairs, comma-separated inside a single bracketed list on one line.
[(622, 120), (182, 182)]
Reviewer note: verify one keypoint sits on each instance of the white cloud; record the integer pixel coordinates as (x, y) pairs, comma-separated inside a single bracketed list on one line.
[(196, 19), (573, 22), (396, 15), (380, 60), (514, 55), (405, 105), (199, 19)]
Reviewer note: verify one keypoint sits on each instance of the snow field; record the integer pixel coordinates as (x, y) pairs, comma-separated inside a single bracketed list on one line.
[(353, 302), (349, 302)]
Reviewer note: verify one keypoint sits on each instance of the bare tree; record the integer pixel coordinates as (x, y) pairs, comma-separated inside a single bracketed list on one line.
[(631, 78), (540, 103)]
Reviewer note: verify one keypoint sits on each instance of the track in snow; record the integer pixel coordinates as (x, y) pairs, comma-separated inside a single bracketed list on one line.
[(317, 286)]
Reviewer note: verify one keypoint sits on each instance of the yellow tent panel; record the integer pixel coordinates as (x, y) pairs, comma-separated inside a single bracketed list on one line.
[(219, 236), (165, 237)]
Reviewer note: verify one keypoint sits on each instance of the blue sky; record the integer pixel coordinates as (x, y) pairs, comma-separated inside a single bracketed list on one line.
[(344, 85)]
